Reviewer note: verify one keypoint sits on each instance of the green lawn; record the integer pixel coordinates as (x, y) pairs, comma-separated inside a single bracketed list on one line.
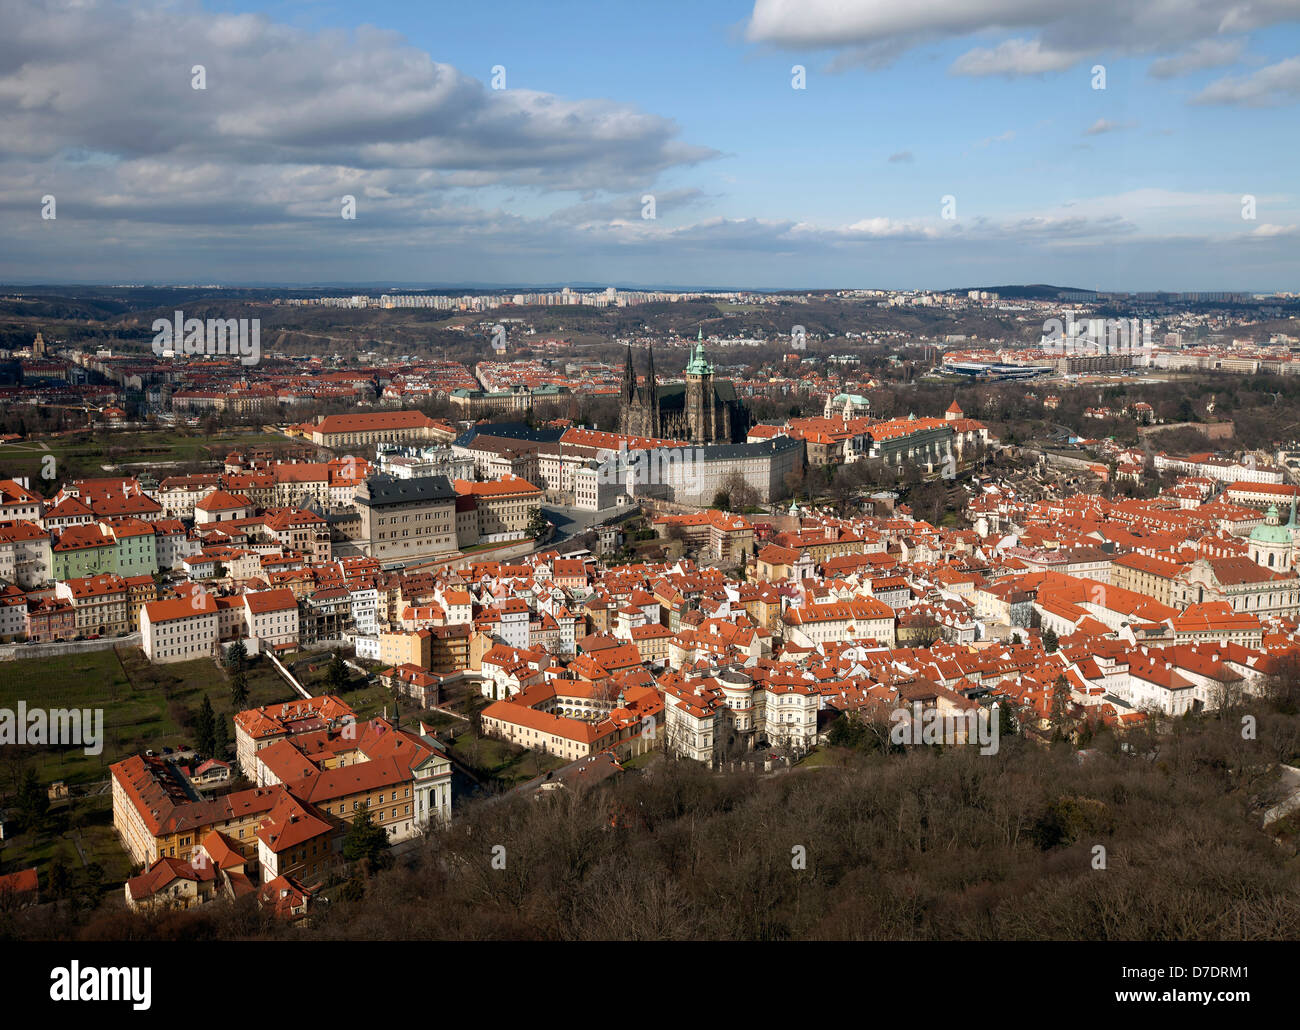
[(641, 761), (374, 699), (84, 453), (492, 759), (145, 706), (88, 821)]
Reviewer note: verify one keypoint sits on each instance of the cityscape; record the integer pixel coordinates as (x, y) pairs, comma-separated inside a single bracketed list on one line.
[(453, 491)]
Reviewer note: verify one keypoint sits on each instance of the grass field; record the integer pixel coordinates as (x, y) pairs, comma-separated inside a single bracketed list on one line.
[(73, 831), (148, 706), (145, 706), (492, 759), (645, 759), (85, 453)]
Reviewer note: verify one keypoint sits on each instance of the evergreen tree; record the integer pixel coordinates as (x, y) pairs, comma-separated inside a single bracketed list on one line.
[(1050, 641), (1006, 724), (237, 666), (537, 524), (95, 877), (365, 841), (353, 889), (237, 656), (33, 800), (60, 879), (205, 727), (220, 739), (1060, 706), (239, 690), (337, 677)]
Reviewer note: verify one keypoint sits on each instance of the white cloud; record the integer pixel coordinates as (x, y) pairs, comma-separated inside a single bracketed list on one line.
[(1015, 57), (1045, 35), (96, 108), (79, 78), (1275, 84), (1208, 53), (1104, 125), (886, 228), (1267, 231)]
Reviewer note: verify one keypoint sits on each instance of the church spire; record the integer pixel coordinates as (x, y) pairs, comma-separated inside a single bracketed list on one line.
[(699, 364), (629, 378), (652, 392)]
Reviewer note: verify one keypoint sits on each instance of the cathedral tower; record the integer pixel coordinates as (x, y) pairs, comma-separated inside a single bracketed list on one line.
[(628, 393), (701, 412)]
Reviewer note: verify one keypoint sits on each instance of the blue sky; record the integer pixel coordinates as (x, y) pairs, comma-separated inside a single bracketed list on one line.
[(1138, 186)]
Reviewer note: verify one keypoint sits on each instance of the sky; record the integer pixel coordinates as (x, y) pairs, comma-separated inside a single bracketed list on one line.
[(767, 144)]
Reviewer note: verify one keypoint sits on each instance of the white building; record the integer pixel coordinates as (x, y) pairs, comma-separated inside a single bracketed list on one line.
[(25, 554), (179, 630), (271, 617)]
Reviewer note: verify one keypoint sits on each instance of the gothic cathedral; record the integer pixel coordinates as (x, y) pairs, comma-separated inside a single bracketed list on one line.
[(699, 411)]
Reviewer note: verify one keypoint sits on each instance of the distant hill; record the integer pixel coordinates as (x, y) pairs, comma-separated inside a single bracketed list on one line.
[(1036, 291)]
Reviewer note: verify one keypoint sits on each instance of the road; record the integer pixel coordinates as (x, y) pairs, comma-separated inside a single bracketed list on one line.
[(53, 649), (571, 522)]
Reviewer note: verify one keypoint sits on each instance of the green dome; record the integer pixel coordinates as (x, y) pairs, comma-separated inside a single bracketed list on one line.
[(1270, 532)]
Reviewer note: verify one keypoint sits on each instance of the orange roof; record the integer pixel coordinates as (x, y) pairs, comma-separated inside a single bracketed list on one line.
[(276, 600), (76, 537), (15, 493), (20, 882), (199, 603), (220, 500), (495, 487), (21, 529), (371, 421)]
